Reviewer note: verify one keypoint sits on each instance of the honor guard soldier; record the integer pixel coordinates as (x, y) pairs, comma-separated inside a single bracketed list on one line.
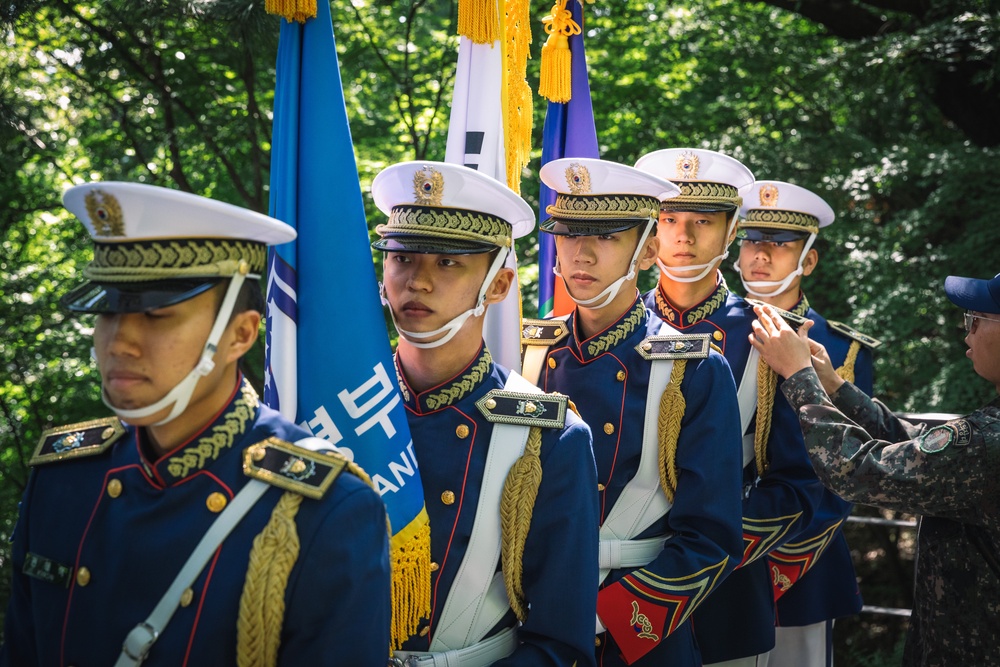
[(735, 626), (196, 527), (947, 474), (664, 410), (778, 226), (508, 472)]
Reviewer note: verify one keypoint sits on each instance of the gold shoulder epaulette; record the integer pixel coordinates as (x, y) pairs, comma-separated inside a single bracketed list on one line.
[(543, 332), (794, 320), (76, 440), (512, 407), (292, 468), (675, 346), (865, 340)]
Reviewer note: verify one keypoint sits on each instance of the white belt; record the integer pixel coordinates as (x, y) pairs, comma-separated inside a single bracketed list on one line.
[(480, 654), (615, 554)]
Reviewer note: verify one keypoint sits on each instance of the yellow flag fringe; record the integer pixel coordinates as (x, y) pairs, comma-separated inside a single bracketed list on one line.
[(518, 108), (477, 20), (411, 578), (292, 10), (556, 78)]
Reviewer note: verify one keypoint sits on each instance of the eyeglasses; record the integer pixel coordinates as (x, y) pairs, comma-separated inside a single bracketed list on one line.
[(970, 320)]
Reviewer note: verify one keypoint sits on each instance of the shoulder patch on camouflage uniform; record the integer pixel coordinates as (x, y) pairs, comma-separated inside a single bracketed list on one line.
[(84, 439), (675, 346), (937, 439), (865, 340), (543, 332), (963, 432), (292, 468), (795, 321), (511, 407)]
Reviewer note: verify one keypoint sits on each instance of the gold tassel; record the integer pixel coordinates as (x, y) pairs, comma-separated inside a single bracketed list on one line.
[(409, 554), (672, 406), (262, 604), (292, 10), (517, 105), (767, 384), (477, 20), (517, 503), (846, 371), (555, 82)]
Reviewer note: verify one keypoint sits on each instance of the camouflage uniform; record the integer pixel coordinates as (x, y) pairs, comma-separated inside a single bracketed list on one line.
[(950, 474)]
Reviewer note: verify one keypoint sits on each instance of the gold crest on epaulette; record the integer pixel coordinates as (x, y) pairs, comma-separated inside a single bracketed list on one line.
[(795, 321), (864, 339), (292, 468), (676, 346), (77, 440), (524, 409), (543, 332)]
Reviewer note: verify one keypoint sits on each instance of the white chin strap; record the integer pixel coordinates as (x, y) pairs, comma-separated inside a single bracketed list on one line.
[(777, 286), (611, 291), (702, 269), (180, 395), (416, 339)]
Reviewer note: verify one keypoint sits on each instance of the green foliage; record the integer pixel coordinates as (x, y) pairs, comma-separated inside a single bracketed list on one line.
[(889, 115)]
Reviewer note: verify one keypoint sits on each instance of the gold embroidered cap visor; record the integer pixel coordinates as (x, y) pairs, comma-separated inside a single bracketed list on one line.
[(444, 231), (595, 215), (703, 197)]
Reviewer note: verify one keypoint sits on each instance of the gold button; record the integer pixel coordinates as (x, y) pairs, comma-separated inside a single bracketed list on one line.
[(609, 428), (434, 567), (258, 454), (114, 488), (424, 630), (717, 335), (597, 641), (621, 376), (186, 597), (83, 576), (552, 362), (647, 346), (462, 431), (448, 497), (216, 502), (244, 267), (600, 487), (298, 467), (107, 433), (490, 404)]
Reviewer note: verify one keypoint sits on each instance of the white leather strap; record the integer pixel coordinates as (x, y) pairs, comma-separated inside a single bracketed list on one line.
[(615, 554), (746, 395), (480, 654), (139, 641), (534, 359), (475, 603)]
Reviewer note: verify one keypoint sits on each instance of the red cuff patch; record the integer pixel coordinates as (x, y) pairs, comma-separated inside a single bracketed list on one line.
[(636, 624)]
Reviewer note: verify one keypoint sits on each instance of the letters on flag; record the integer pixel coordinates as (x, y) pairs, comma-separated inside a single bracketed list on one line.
[(324, 367)]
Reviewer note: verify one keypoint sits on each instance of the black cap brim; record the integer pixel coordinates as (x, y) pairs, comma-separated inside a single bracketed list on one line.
[(565, 227), (697, 208), (771, 235), (431, 246), (138, 297)]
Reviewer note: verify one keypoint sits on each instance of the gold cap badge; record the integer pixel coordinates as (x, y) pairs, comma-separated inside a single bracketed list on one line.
[(428, 186)]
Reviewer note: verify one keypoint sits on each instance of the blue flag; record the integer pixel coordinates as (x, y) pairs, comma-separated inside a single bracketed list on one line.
[(328, 360), (569, 131)]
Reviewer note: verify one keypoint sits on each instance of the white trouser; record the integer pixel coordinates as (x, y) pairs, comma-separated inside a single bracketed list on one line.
[(805, 646), (749, 661)]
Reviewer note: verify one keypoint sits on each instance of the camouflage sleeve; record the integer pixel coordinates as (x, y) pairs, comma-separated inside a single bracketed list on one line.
[(873, 416), (944, 472)]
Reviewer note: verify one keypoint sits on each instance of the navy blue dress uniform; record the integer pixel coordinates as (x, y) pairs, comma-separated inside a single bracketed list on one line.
[(114, 552), (810, 589), (608, 375), (521, 514), (781, 492), (451, 439), (102, 534), (813, 576)]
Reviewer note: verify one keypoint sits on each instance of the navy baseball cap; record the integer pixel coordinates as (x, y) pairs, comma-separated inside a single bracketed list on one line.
[(982, 296)]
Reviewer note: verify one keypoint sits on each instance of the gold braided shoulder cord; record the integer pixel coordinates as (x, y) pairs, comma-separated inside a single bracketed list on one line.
[(517, 503), (672, 406), (767, 383), (846, 371), (262, 604)]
